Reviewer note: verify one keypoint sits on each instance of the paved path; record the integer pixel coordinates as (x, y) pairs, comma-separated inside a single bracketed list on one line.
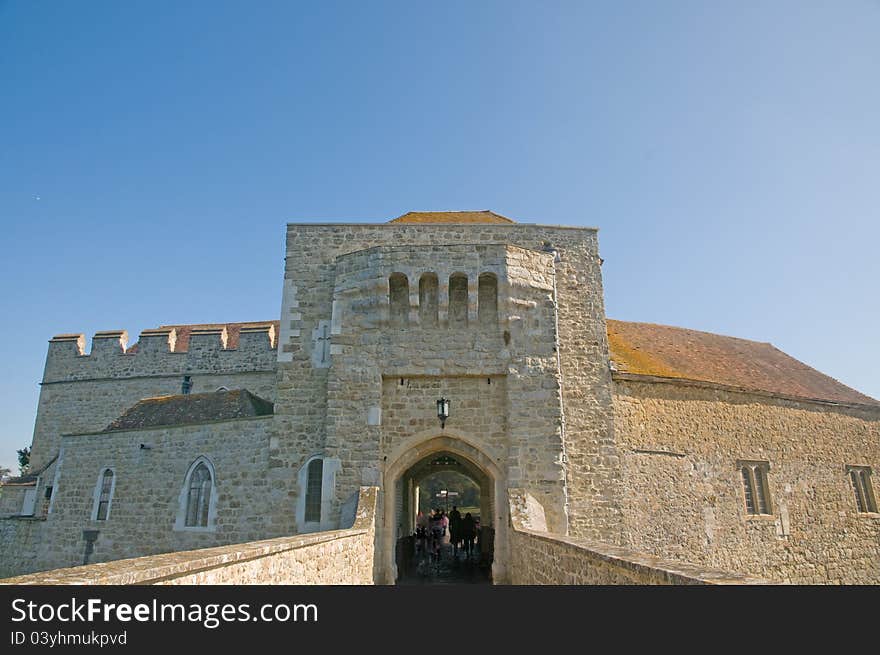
[(450, 569)]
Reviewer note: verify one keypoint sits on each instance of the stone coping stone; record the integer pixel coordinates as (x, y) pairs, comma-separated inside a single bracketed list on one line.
[(153, 569), (680, 573)]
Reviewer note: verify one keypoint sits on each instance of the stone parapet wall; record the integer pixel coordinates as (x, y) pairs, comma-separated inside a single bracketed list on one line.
[(207, 353), (684, 497), (542, 558), (545, 559), (333, 557)]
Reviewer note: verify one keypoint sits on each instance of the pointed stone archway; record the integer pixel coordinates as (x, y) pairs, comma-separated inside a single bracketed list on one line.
[(412, 462)]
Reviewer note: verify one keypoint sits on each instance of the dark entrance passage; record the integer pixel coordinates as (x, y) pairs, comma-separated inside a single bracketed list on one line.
[(432, 487), (418, 565)]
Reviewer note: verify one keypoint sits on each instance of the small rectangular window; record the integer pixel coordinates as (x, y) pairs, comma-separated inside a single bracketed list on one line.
[(860, 477), (755, 487), (104, 495), (314, 485), (47, 498)]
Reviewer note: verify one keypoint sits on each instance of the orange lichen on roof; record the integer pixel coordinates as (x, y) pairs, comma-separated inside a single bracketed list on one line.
[(160, 399), (482, 216), (628, 357), (673, 352)]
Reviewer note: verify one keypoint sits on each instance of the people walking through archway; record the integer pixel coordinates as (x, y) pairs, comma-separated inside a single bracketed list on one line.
[(437, 530), (468, 532), (421, 541), (455, 530)]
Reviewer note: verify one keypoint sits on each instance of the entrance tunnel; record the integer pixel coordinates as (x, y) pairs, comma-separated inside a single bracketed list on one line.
[(460, 549)]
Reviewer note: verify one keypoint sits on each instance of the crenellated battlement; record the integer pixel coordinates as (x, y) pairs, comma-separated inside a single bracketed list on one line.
[(158, 340), (166, 350), (109, 343)]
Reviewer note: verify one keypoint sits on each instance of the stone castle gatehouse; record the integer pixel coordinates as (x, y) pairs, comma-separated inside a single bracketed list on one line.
[(668, 453)]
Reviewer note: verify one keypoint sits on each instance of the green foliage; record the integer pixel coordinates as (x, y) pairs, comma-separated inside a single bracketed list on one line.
[(24, 460), (468, 491)]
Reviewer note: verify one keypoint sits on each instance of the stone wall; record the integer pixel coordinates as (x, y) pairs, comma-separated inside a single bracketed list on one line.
[(539, 557), (337, 344), (148, 487), (85, 392), (12, 499), (334, 557), (684, 496), (91, 405), (19, 541)]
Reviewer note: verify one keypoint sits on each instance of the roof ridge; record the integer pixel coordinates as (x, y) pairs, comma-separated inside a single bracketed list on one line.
[(440, 215), (189, 395), (175, 325), (687, 329)]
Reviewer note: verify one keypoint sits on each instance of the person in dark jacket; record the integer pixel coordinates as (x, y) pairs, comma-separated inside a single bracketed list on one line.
[(468, 532), (455, 529)]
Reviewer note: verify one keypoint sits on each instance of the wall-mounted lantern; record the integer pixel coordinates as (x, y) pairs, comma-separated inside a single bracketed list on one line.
[(443, 411)]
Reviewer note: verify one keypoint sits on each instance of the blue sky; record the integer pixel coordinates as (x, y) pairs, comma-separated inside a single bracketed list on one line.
[(151, 153)]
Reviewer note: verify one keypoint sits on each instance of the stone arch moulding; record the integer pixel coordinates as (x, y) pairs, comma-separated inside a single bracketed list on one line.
[(430, 441), (180, 521), (410, 453), (328, 491)]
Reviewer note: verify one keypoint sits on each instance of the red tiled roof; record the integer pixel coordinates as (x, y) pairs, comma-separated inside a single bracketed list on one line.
[(673, 352), (233, 330)]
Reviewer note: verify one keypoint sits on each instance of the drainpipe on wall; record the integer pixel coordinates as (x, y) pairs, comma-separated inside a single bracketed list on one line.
[(90, 537)]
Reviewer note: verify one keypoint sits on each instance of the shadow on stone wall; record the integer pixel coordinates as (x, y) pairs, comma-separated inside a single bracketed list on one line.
[(539, 557), (342, 556)]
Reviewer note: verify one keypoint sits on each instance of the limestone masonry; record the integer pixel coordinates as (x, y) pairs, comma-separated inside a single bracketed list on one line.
[(605, 451)]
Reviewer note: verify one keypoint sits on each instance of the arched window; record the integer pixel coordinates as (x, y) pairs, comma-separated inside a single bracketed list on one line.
[(860, 476), (428, 286), (198, 498), (487, 297), (398, 297), (104, 495), (314, 484), (755, 487), (458, 300)]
